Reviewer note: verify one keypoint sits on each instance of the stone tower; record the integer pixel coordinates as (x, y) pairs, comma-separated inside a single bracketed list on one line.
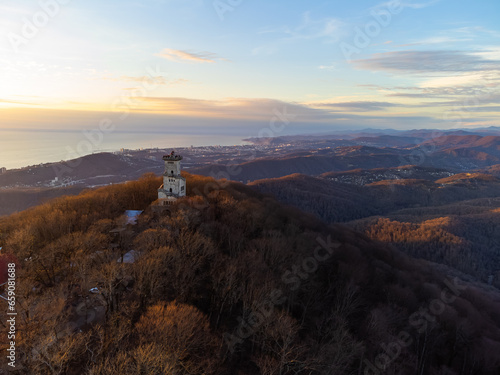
[(174, 185)]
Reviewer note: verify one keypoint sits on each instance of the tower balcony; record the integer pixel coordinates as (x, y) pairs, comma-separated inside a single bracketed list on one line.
[(172, 157)]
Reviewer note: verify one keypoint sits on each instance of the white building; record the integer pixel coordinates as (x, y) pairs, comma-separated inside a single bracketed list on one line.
[(174, 185)]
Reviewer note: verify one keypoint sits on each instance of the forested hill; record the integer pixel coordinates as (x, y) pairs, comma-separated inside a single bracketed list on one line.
[(452, 220), (229, 281)]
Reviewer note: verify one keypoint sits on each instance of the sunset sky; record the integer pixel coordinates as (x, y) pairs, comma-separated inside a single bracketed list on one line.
[(230, 68)]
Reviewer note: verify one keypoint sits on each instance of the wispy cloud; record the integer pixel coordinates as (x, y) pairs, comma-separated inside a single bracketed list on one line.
[(261, 111), (427, 62), (453, 81), (492, 108), (406, 4), (6, 101), (364, 106), (256, 109), (157, 80), (309, 28), (231, 116), (416, 5), (436, 40), (478, 101), (327, 67), (455, 35), (456, 93), (190, 56)]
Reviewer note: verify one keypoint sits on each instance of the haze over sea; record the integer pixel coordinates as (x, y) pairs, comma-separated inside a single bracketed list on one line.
[(23, 148)]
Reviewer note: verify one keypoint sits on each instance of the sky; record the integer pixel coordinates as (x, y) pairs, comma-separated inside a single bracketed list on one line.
[(249, 67)]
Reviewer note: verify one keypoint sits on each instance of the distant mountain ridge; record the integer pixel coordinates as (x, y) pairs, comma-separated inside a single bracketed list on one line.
[(456, 153), (424, 134), (451, 153)]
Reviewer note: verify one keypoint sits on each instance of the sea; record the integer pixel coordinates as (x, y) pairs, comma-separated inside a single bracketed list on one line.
[(24, 148)]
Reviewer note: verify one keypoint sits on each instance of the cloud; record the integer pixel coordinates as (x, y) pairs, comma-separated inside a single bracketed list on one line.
[(428, 62), (157, 80), (255, 109), (480, 100), (197, 57), (436, 40), (17, 102), (479, 89), (310, 28), (264, 50), (303, 115), (327, 67), (493, 108), (264, 110), (457, 35), (461, 80), (243, 116), (327, 30), (405, 4), (363, 106), (454, 96), (412, 5)]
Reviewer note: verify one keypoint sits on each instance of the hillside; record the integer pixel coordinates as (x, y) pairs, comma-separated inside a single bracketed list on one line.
[(27, 187), (230, 281), (385, 209), (471, 151), (15, 200), (465, 141), (345, 196), (90, 170), (493, 170), (462, 235), (389, 141), (368, 176), (313, 163), (469, 179)]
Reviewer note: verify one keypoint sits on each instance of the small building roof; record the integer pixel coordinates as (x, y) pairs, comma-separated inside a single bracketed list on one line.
[(132, 216), (129, 257)]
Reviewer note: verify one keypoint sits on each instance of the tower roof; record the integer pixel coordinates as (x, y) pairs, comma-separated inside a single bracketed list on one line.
[(172, 157)]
